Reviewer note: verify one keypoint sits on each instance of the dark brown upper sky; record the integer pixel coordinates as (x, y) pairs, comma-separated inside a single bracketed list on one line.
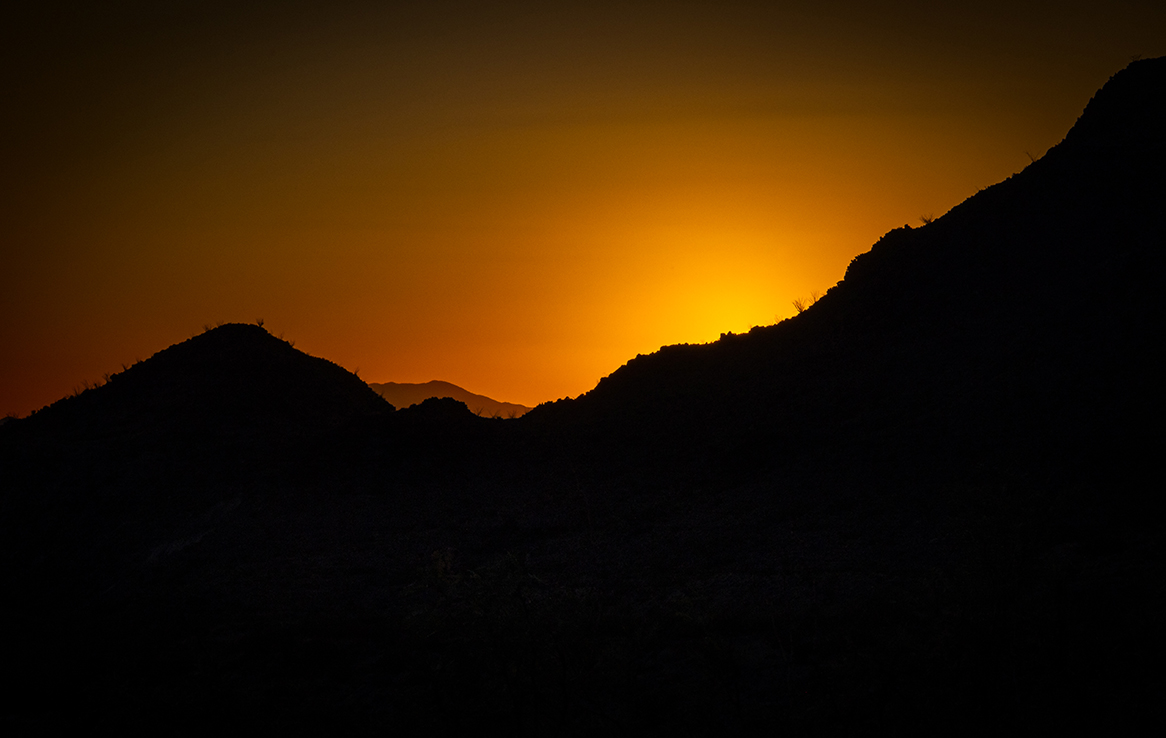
[(511, 197)]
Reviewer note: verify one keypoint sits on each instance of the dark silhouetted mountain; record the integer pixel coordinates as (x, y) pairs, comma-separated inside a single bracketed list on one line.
[(183, 431), (926, 501), (230, 378), (404, 394), (1016, 329), (205, 407)]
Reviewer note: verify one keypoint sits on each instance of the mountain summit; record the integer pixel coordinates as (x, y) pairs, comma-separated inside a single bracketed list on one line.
[(235, 378), (179, 431), (1127, 114)]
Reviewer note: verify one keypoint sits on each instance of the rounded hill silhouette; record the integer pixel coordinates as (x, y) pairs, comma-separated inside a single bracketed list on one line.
[(231, 411), (233, 379)]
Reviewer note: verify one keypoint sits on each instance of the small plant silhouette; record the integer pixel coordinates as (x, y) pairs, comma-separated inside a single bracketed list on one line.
[(802, 303), (927, 219)]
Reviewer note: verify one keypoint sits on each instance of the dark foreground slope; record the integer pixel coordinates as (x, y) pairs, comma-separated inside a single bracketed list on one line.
[(920, 505)]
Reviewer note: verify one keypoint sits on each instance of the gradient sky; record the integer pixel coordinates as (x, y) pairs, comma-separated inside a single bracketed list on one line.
[(516, 198)]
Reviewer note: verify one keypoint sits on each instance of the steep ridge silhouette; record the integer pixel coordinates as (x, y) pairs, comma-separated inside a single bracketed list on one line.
[(920, 503), (1014, 329), (406, 394)]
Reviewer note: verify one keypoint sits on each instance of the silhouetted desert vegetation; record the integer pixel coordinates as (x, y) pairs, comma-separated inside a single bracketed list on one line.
[(923, 503)]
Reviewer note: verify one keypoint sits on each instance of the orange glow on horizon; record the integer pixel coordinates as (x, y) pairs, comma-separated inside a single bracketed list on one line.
[(517, 201)]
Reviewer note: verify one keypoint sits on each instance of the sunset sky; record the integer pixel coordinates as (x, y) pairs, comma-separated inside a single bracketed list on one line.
[(516, 198)]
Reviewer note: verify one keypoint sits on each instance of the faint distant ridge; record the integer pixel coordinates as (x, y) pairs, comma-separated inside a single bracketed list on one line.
[(405, 394)]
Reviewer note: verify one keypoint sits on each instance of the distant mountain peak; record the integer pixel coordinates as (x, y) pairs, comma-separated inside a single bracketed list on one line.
[(404, 394)]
